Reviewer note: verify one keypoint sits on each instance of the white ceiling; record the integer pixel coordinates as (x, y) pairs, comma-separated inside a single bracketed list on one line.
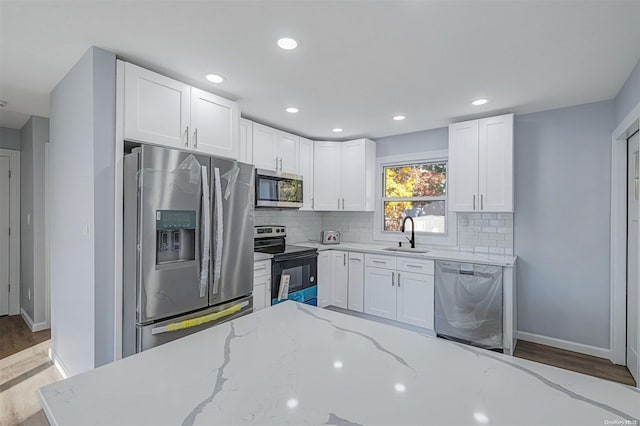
[(358, 63)]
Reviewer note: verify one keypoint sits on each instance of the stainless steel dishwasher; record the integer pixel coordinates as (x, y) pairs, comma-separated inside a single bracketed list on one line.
[(468, 303)]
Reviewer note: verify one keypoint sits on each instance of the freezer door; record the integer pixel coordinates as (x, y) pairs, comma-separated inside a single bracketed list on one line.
[(468, 303), (158, 333), (232, 195), (170, 236)]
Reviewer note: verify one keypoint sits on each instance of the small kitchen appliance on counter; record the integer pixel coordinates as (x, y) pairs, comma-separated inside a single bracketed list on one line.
[(330, 237), (298, 263)]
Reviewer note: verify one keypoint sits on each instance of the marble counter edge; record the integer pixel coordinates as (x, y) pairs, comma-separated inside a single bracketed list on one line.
[(434, 254)]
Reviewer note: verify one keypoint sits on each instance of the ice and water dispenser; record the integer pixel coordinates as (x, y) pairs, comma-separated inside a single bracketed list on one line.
[(175, 236)]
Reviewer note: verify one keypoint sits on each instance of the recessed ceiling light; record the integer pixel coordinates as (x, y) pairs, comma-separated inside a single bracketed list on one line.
[(336, 130), (287, 43), (292, 403), (215, 78), (337, 364), (479, 102), (399, 117), (3, 103), (399, 387), (292, 110)]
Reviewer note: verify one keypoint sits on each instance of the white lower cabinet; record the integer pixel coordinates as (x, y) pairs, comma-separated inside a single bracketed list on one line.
[(324, 279), (339, 279), (415, 294), (355, 262), (380, 292), (261, 285)]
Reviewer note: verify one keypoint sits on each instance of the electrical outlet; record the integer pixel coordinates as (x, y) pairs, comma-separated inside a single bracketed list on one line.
[(29, 293)]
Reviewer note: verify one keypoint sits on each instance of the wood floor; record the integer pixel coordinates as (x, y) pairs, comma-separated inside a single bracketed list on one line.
[(586, 364), (15, 335)]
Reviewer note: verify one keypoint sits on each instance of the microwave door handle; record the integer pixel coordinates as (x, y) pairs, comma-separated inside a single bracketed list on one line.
[(206, 232), (219, 231)]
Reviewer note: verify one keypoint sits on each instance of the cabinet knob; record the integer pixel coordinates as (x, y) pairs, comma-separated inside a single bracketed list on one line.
[(393, 279)]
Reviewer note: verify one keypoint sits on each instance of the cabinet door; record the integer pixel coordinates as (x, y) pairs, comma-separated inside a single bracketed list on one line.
[(288, 153), (356, 281), (339, 279), (156, 108), (214, 124), (246, 141), (324, 279), (415, 299), (496, 164), (380, 292), (326, 176), (306, 171), (462, 175), (265, 147), (259, 297), (352, 174)]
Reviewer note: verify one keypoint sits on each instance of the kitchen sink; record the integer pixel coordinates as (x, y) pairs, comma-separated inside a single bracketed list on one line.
[(405, 250)]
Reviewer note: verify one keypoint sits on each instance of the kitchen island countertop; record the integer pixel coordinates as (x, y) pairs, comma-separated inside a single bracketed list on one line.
[(298, 364)]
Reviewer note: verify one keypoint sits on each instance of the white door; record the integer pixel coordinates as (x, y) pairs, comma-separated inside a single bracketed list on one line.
[(462, 175), (288, 153), (495, 167), (326, 176), (265, 147), (380, 292), (633, 197), (214, 124), (324, 279), (246, 141), (306, 171), (5, 213), (339, 279), (415, 299), (156, 108), (356, 281), (353, 175)]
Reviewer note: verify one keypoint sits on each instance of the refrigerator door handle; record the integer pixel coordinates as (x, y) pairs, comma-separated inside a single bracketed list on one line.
[(217, 260), (206, 250)]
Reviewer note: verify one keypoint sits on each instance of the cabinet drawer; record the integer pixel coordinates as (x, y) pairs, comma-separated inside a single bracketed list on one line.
[(378, 261), (420, 266), (261, 268)]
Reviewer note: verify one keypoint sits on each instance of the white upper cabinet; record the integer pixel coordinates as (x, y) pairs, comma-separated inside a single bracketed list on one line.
[(326, 176), (166, 112), (156, 108), (496, 164), (274, 149), (481, 165), (306, 171), (246, 141), (344, 177), (214, 123)]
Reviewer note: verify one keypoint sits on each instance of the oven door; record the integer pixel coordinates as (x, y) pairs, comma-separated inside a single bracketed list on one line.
[(278, 189), (302, 272)]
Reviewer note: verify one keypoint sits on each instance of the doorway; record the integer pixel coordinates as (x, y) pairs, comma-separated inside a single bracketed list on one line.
[(9, 232), (633, 244)]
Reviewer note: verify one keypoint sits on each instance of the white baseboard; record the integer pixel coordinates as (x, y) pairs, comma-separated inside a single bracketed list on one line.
[(632, 364), (59, 364), (38, 326), (564, 344)]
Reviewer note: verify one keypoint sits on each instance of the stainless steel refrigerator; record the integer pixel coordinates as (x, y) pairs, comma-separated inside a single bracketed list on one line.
[(188, 244)]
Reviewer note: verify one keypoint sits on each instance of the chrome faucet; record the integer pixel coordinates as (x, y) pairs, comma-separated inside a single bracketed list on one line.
[(412, 240)]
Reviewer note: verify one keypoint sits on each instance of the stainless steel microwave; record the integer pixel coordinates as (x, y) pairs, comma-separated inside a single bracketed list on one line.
[(278, 190)]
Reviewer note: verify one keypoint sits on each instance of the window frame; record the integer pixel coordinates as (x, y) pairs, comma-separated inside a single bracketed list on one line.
[(449, 237)]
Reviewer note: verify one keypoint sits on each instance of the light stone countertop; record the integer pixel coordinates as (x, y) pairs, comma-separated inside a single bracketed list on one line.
[(432, 253), (298, 364)]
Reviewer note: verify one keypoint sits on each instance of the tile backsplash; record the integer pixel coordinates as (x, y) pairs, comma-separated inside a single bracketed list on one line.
[(486, 232), (479, 232)]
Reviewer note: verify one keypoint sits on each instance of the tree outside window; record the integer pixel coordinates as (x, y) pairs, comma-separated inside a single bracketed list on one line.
[(416, 190)]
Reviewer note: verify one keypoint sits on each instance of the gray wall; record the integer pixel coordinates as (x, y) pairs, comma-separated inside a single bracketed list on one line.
[(34, 136), (9, 138), (408, 143), (82, 126), (562, 227), (629, 95)]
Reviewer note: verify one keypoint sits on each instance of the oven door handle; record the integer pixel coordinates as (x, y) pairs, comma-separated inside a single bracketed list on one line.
[(294, 257)]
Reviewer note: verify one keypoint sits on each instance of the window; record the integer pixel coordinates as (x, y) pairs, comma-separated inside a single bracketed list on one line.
[(416, 190)]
